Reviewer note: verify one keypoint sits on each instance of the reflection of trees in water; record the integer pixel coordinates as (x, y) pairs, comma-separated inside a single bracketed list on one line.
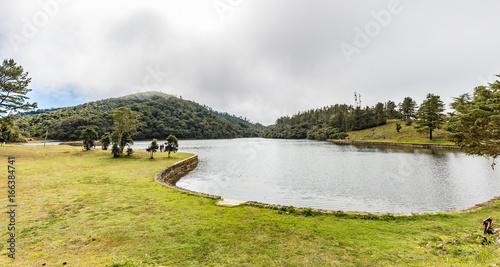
[(327, 175)]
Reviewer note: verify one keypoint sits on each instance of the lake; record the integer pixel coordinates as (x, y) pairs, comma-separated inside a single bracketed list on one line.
[(323, 175)]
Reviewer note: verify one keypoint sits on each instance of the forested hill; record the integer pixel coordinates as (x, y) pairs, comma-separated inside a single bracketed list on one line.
[(331, 122), (160, 115)]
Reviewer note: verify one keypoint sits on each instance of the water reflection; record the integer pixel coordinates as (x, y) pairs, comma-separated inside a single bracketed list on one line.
[(339, 177)]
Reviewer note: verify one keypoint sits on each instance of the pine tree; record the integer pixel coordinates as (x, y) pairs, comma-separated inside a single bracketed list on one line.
[(430, 114), (13, 88), (407, 108), (476, 121)]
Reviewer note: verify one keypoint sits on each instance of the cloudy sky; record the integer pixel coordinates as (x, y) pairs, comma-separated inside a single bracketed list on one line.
[(260, 59)]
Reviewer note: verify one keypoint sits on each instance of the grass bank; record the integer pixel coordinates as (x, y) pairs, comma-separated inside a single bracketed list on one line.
[(407, 134), (88, 209)]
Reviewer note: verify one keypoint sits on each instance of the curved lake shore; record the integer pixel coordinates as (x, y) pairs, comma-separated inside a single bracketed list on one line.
[(327, 176), (172, 174), (394, 144)]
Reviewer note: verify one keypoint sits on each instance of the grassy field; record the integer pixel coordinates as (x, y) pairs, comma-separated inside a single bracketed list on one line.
[(407, 134), (88, 209)]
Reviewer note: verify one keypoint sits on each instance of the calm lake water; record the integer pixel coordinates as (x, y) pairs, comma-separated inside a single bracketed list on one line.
[(329, 176)]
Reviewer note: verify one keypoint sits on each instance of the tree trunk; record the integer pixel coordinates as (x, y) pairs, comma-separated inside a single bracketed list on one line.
[(487, 226), (430, 133)]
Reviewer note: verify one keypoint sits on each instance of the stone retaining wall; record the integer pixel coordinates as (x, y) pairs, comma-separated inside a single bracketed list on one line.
[(176, 171), (428, 146), (173, 173)]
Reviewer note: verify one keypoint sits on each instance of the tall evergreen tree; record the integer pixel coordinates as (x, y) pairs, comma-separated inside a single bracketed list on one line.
[(14, 83), (430, 114), (407, 108), (476, 121), (380, 114), (390, 109)]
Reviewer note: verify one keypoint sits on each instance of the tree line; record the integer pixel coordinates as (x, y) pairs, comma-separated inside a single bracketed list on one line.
[(125, 125), (334, 121), (158, 114)]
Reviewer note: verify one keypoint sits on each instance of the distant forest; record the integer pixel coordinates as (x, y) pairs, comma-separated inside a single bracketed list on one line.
[(160, 115), (332, 122)]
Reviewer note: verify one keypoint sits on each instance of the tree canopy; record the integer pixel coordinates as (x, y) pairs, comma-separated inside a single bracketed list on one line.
[(14, 83), (153, 147), (407, 108), (105, 141), (330, 122), (476, 121), (89, 136), (126, 124), (430, 114), (158, 113), (172, 144)]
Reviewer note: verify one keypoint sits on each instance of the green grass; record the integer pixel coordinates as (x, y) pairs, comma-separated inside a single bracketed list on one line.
[(88, 209), (407, 134)]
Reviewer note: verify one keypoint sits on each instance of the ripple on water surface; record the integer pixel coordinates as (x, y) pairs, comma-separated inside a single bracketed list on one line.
[(329, 176)]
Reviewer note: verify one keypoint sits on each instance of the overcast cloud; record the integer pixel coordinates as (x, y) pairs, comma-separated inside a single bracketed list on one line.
[(256, 58)]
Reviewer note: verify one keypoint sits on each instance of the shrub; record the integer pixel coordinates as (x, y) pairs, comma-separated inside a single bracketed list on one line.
[(130, 151), (307, 212), (115, 150)]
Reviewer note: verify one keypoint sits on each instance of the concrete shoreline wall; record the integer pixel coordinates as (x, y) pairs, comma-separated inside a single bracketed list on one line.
[(173, 173)]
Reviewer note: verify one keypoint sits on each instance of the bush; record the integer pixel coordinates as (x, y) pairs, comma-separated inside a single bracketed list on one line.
[(130, 151), (115, 150), (307, 212)]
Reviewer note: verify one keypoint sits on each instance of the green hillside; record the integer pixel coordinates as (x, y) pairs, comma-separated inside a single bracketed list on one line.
[(159, 113), (407, 134)]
